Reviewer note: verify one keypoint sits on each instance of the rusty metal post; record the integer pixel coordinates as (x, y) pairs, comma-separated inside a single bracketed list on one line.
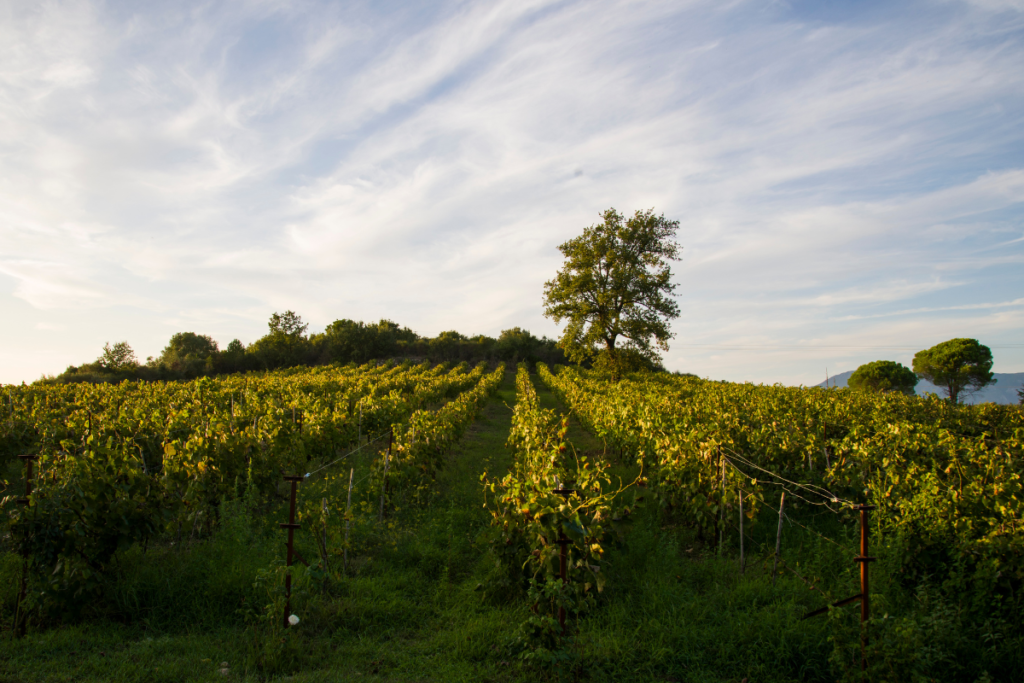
[(28, 460), (563, 555), (865, 598), (291, 526), (19, 618)]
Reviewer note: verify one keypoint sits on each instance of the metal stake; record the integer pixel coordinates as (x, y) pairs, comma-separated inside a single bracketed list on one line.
[(387, 461), (291, 526), (778, 537), (563, 562), (721, 504), (348, 510), (563, 555), (741, 532), (865, 599), (323, 507), (19, 618)]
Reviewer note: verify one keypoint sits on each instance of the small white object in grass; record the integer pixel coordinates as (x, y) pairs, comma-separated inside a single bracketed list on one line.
[(293, 620)]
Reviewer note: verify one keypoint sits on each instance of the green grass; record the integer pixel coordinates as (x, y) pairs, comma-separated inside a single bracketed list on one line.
[(409, 608)]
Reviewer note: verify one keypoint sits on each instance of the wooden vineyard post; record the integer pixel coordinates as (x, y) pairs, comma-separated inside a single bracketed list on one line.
[(778, 537), (19, 617), (291, 526), (348, 512), (865, 599)]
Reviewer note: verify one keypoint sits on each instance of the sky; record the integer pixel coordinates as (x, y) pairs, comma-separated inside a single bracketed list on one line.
[(848, 177)]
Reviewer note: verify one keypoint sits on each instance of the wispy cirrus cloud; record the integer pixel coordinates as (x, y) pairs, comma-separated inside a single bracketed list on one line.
[(841, 174)]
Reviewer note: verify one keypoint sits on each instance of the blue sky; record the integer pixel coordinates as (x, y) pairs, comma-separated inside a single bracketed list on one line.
[(848, 177)]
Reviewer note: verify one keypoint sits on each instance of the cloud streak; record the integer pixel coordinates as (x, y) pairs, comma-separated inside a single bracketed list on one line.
[(846, 178)]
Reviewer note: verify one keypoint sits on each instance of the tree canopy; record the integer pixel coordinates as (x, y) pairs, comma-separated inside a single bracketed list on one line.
[(286, 344), (616, 282), (117, 358), (882, 376), (289, 323), (351, 341), (189, 354), (958, 366)]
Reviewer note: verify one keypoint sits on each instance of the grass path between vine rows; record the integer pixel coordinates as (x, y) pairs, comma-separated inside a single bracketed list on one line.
[(672, 611), (410, 614)]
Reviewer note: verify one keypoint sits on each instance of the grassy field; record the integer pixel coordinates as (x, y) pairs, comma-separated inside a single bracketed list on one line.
[(411, 608)]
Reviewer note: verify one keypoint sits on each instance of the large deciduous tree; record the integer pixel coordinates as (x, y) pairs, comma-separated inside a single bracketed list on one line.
[(883, 376), (616, 283), (286, 345), (958, 366), (188, 354), (117, 358)]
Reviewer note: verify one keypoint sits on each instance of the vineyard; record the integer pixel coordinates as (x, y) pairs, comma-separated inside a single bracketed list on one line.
[(416, 520)]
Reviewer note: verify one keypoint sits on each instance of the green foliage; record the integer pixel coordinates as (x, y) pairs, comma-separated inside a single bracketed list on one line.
[(285, 346), (947, 480), (188, 354), (616, 282), (270, 647), (122, 464), (445, 345), (882, 376), (117, 358), (102, 503), (529, 518), (419, 446), (624, 361), (515, 345), (671, 608), (346, 341), (289, 323), (958, 366)]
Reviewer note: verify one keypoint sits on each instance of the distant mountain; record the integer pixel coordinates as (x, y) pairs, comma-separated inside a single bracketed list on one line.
[(1003, 391)]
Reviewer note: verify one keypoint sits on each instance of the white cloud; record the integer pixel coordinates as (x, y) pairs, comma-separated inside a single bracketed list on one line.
[(835, 180)]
